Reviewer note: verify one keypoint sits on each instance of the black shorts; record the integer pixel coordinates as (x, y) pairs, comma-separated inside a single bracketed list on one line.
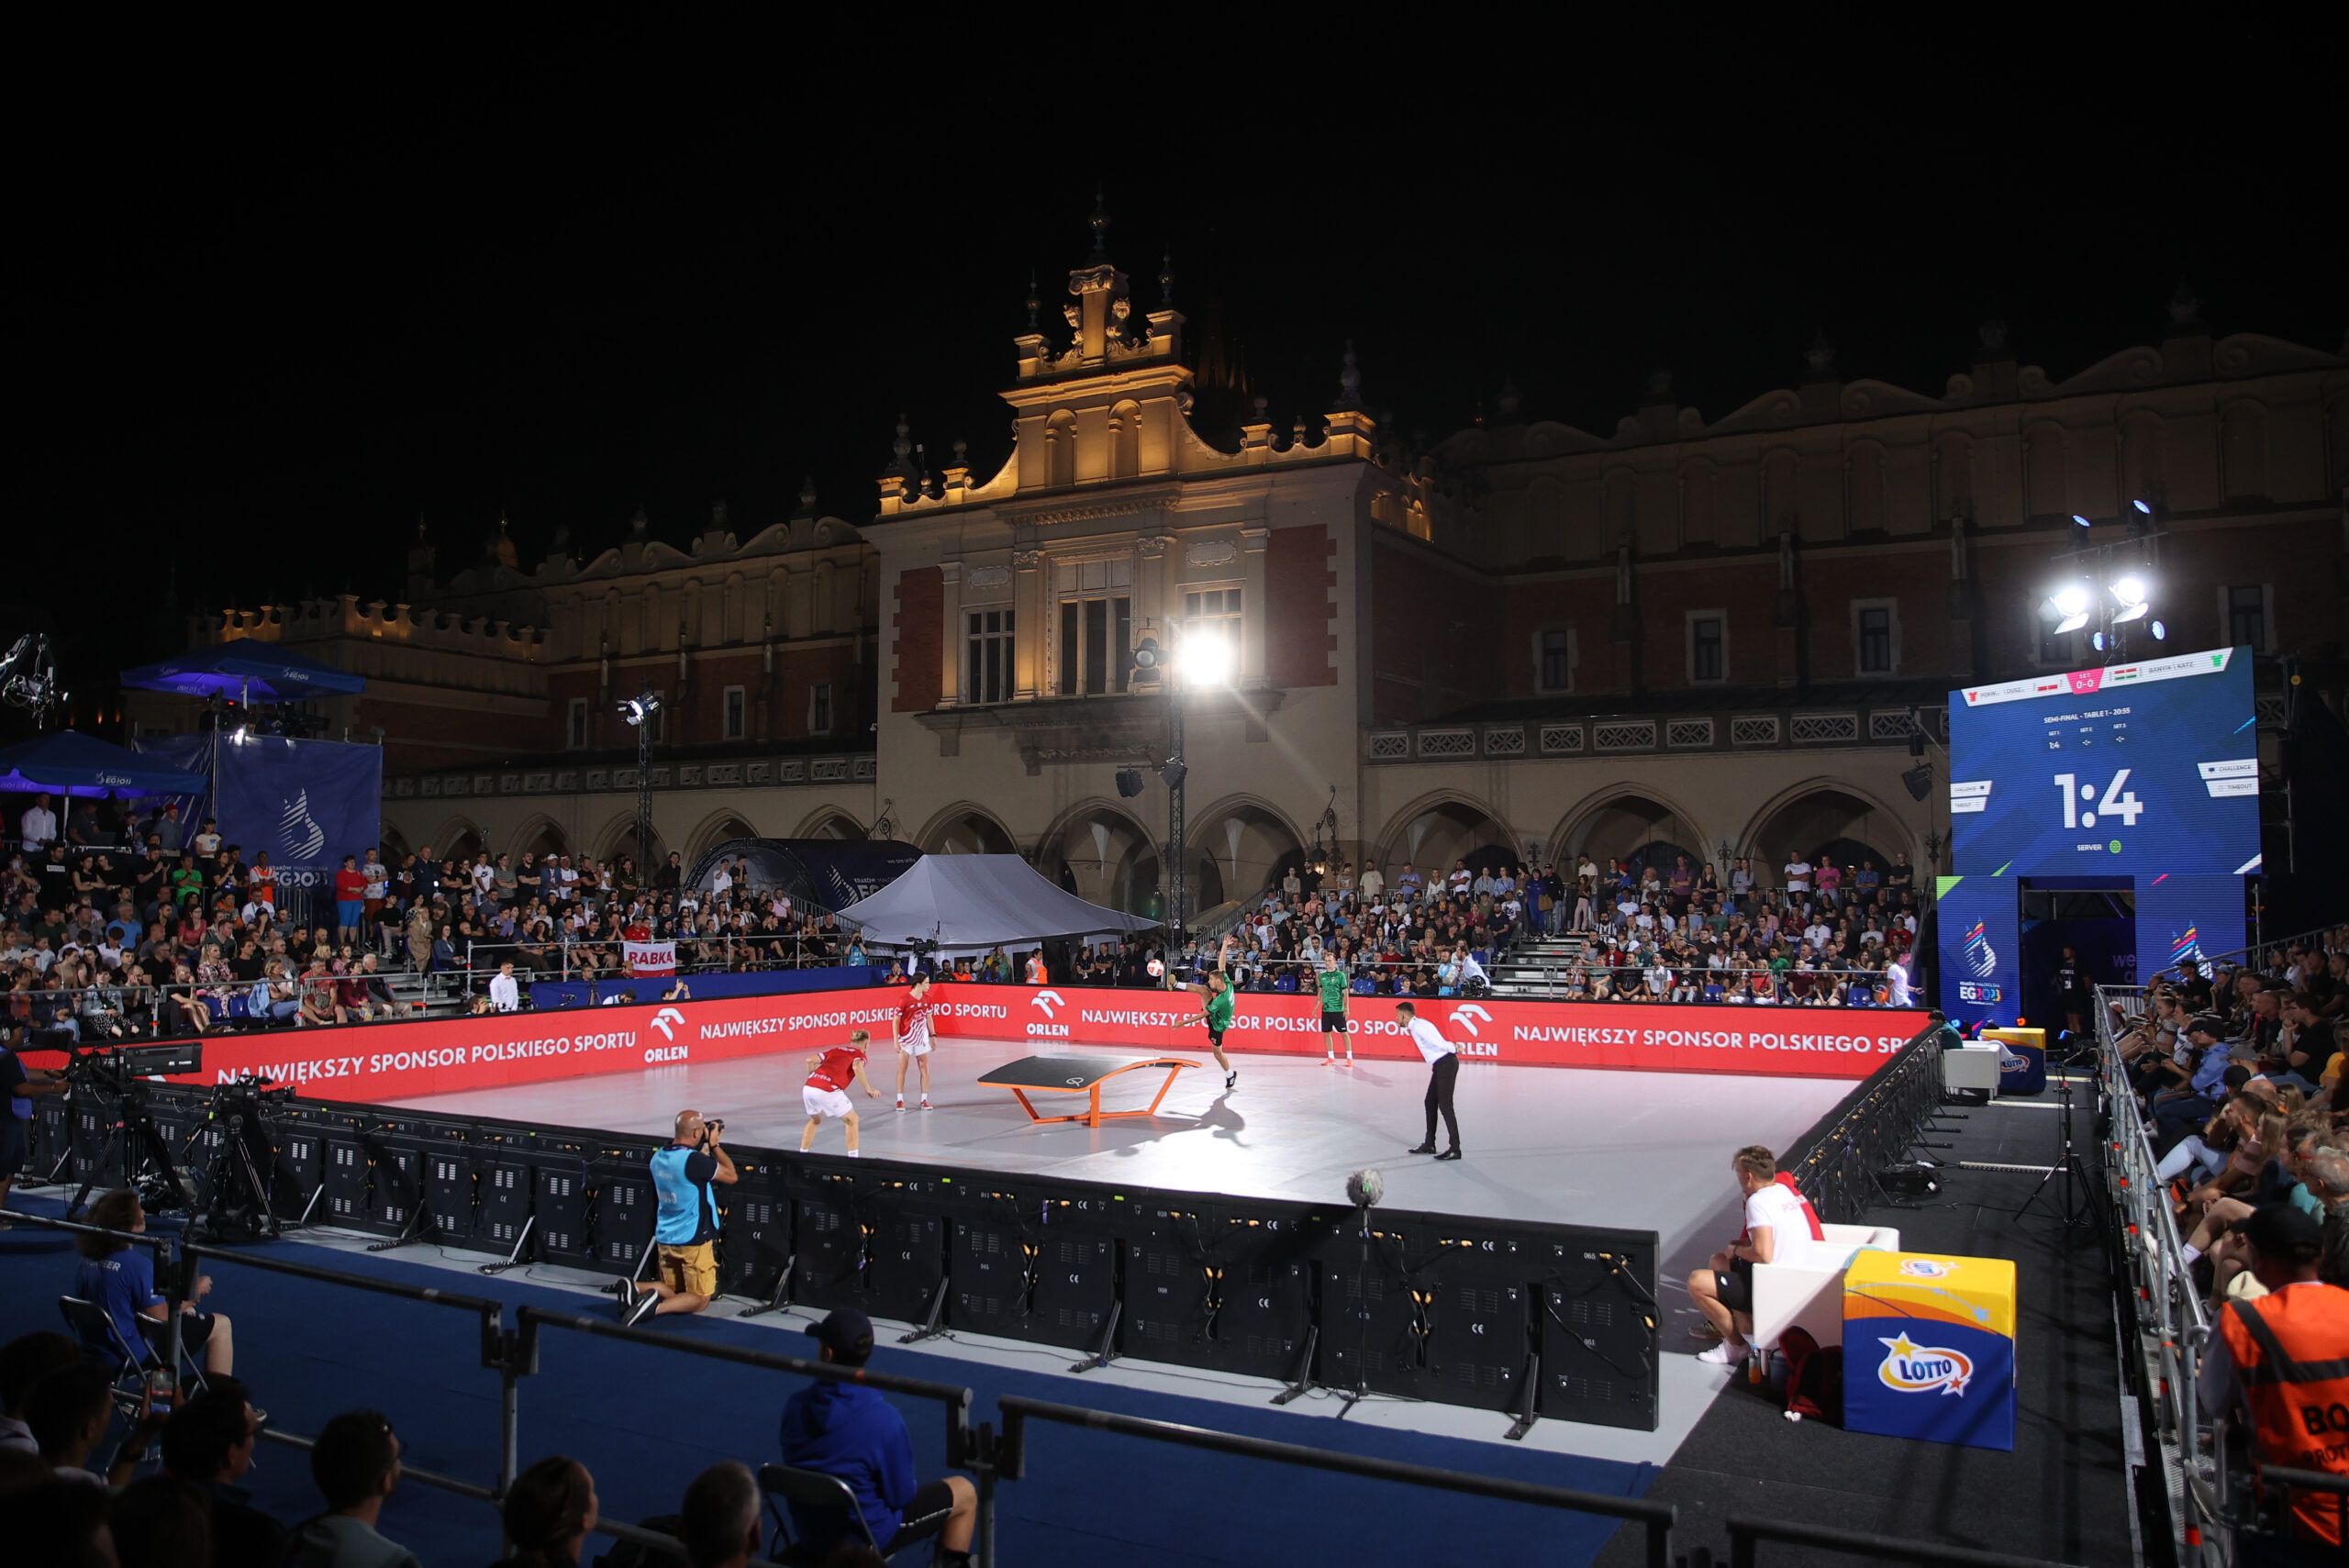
[(14, 1142), (1214, 1039), (924, 1517), (1332, 1023), (1735, 1288)]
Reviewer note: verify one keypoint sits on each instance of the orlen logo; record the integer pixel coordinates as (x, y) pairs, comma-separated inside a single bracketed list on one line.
[(1912, 1368), (1044, 1002), (666, 1020), (1467, 1015)]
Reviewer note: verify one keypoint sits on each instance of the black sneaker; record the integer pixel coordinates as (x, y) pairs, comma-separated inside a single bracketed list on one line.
[(1450, 1154), (649, 1303), (1231, 1078), (623, 1291), (1427, 1148)]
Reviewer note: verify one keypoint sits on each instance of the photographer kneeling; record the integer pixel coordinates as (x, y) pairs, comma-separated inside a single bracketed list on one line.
[(687, 1227), (120, 1278)]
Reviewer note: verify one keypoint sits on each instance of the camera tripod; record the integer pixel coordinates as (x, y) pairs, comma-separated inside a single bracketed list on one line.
[(133, 1140), (2078, 1200)]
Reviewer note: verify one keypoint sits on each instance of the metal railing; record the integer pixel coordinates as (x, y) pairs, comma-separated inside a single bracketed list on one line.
[(1746, 1535), (2173, 1325), (1656, 1518)]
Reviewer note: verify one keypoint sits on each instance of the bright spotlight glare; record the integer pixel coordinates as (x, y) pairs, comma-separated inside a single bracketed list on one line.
[(2134, 612), (2072, 600), (2130, 590), (2082, 521), (1207, 659), (2159, 632), (2070, 623), (2144, 506), (2096, 643)]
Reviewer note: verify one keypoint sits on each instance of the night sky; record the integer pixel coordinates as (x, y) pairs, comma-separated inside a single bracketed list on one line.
[(278, 296)]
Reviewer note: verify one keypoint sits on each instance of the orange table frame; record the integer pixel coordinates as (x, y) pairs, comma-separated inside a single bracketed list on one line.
[(1093, 1115)]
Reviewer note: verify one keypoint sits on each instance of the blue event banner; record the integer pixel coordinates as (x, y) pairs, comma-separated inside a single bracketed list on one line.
[(308, 803), (2186, 919), (1979, 918)]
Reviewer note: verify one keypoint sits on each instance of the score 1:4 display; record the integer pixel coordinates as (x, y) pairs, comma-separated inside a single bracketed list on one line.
[(2117, 802)]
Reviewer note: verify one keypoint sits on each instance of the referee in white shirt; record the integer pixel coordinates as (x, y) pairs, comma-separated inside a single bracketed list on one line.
[(1443, 1070), (504, 993)]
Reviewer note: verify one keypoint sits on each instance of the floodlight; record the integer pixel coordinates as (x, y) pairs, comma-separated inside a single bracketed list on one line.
[(1146, 653), (637, 709), (2082, 521), (2097, 641), (1207, 659), (2130, 590), (2070, 623), (1174, 773), (2159, 630), (2144, 507), (2134, 612), (2071, 599)]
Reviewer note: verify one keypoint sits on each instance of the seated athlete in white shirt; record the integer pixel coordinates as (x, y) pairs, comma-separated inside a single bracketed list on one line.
[(1779, 1229)]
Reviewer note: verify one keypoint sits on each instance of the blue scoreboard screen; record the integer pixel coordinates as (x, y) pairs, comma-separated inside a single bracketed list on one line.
[(2134, 769)]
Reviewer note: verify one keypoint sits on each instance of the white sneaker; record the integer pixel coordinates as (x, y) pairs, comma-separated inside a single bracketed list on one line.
[(1722, 1354)]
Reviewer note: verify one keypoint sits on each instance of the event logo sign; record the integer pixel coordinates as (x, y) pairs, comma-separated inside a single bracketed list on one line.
[(1912, 1368), (309, 802)]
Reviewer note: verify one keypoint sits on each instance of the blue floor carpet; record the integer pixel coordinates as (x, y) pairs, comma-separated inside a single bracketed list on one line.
[(645, 1421)]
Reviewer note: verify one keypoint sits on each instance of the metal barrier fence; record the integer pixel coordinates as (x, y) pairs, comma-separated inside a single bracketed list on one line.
[(2171, 1325), (1840, 1161), (1746, 1535)]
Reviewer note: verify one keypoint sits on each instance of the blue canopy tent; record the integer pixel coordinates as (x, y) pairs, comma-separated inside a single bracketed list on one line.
[(246, 670), (67, 763)]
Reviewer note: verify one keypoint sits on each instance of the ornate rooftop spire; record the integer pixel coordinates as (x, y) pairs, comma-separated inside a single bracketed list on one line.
[(637, 524), (902, 463), (1035, 304), (1507, 402), (2184, 309), (1349, 380), (807, 497), (1166, 280), (1100, 221)]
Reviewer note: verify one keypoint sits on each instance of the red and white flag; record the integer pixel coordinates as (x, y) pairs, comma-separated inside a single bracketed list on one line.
[(652, 958)]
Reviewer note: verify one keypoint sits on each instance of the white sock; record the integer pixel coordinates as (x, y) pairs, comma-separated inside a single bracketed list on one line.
[(851, 1153), (2192, 1253)]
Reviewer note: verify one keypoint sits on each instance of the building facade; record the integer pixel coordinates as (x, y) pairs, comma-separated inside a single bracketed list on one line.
[(1723, 637)]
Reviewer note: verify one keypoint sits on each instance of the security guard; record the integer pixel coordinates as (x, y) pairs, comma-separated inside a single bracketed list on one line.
[(2286, 1355)]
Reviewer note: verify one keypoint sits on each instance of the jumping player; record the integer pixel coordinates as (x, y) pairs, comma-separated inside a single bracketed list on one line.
[(1331, 982), (912, 1034), (1216, 1011), (825, 1094)]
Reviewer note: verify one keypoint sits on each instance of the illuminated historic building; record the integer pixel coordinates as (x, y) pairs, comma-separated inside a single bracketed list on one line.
[(1533, 639)]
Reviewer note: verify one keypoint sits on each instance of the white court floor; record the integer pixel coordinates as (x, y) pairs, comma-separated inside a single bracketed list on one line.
[(1644, 1150)]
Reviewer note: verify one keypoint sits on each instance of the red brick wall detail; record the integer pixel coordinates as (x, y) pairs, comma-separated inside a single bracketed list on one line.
[(1299, 571), (916, 634)]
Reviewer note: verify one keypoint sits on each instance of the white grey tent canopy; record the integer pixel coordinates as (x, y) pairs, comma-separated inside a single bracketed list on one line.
[(974, 903)]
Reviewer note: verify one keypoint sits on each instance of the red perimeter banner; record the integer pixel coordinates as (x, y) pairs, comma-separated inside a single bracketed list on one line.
[(397, 1061)]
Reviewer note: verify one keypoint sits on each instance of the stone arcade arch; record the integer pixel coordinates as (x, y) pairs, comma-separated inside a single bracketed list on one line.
[(1823, 813), (1435, 830), (716, 829), (1103, 854), (539, 835), (1237, 847), (832, 822), (963, 829), (1629, 823)]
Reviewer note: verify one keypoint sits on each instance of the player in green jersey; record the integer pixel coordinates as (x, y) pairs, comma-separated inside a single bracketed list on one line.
[(1216, 1010), (1331, 982)]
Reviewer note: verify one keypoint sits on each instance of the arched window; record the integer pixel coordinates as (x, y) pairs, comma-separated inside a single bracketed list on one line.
[(1698, 503), (2243, 454), (1125, 441), (1060, 449), (2046, 491)]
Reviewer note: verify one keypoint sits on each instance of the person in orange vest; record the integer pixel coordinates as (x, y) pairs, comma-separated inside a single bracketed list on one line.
[(2283, 1357), (1037, 973)]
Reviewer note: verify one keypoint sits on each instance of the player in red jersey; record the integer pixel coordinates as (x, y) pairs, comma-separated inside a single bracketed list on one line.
[(912, 1033), (825, 1094)]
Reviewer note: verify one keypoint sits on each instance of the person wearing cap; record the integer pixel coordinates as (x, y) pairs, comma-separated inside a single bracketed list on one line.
[(2176, 1110), (849, 1431), (684, 1229), (2281, 1357)]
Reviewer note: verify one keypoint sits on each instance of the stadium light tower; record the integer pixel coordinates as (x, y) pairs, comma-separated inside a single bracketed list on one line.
[(639, 711), (1202, 659), (2109, 586)]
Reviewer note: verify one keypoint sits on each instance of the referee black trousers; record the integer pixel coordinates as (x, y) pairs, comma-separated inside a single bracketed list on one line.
[(1441, 1077)]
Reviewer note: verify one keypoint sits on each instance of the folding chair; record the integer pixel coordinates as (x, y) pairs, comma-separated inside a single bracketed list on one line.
[(102, 1342), (158, 1334), (810, 1489)]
